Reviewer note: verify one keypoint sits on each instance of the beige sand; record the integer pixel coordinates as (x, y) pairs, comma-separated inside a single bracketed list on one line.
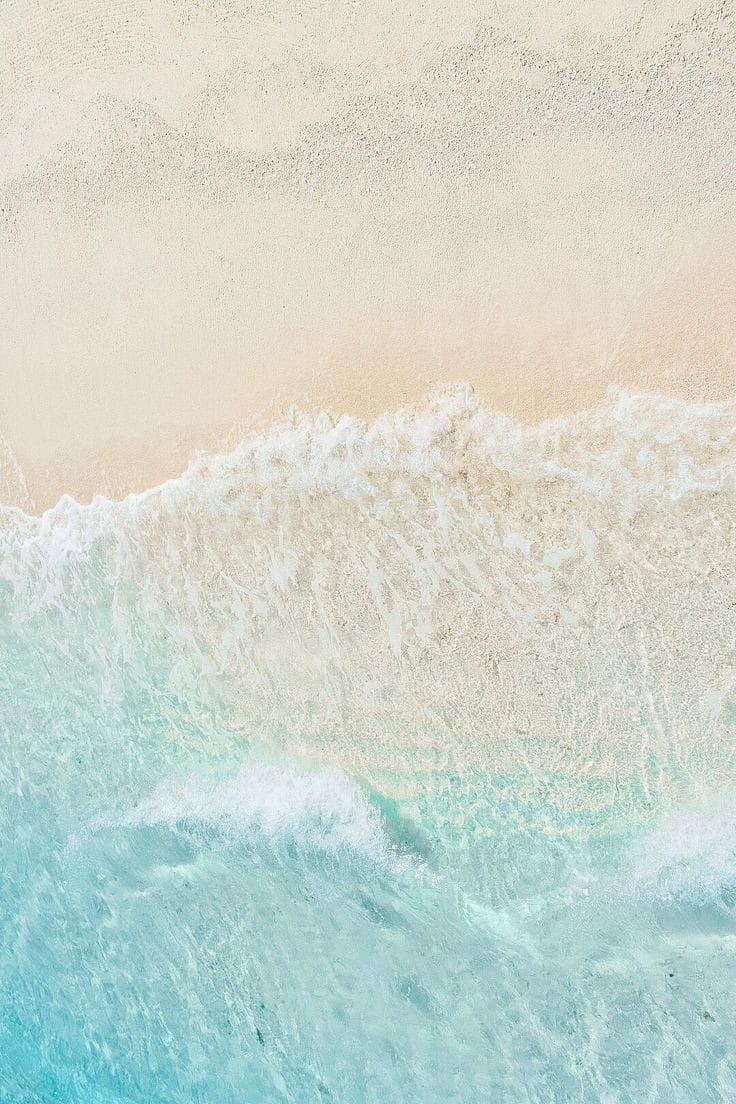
[(212, 209)]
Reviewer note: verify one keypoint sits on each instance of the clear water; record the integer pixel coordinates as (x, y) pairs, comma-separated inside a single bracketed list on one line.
[(388, 763)]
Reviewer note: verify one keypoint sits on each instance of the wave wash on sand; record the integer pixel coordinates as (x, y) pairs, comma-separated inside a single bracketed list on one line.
[(378, 762)]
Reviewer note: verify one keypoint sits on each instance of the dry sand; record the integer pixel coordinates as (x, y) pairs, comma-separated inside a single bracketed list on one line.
[(212, 209)]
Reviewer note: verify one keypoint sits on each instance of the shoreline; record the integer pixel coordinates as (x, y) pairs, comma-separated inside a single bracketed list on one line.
[(209, 215), (134, 465), (118, 423)]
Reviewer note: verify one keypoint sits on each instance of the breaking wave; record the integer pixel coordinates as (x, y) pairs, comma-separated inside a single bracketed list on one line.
[(320, 810), (691, 857)]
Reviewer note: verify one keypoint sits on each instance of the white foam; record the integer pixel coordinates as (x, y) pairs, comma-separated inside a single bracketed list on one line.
[(641, 445), (691, 856), (442, 578), (321, 809)]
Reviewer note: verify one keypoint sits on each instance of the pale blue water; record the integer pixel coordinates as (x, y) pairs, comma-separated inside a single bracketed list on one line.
[(382, 765)]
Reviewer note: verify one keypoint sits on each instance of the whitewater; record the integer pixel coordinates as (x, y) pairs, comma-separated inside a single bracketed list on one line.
[(387, 762)]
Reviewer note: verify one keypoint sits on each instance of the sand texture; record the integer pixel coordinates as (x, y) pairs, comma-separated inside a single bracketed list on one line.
[(212, 209)]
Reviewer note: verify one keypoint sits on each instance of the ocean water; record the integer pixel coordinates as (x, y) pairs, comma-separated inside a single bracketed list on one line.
[(388, 763)]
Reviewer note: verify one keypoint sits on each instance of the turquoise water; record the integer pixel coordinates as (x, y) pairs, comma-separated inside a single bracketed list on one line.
[(388, 763)]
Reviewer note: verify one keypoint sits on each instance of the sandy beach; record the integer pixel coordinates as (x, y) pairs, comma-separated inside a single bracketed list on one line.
[(382, 752), (211, 212)]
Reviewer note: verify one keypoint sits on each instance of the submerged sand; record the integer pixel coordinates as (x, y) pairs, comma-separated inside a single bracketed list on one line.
[(212, 211)]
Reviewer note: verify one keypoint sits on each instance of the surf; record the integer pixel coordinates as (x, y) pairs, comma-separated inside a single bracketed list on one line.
[(368, 735)]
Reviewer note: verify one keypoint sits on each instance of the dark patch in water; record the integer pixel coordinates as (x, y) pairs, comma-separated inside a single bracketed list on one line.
[(412, 990), (403, 832), (383, 914)]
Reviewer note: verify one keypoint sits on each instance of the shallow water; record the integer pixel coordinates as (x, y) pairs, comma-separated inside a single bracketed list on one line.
[(387, 763)]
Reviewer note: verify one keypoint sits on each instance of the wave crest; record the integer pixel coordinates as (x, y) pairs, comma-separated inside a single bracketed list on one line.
[(321, 809), (691, 857)]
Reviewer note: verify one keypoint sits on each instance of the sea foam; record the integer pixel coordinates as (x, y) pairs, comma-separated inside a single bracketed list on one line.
[(691, 857), (322, 810), (442, 583), (520, 640)]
